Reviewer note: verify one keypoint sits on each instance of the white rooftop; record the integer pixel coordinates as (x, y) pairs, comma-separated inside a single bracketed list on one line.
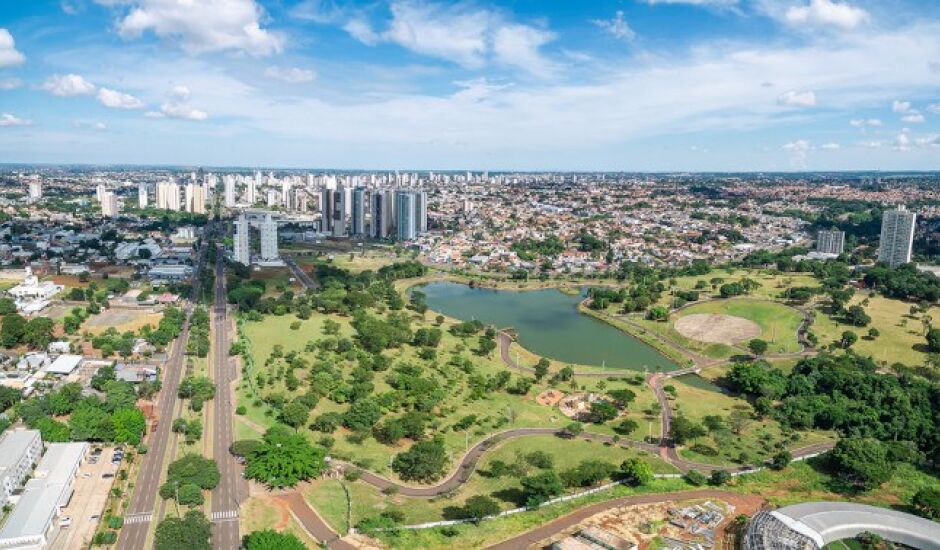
[(64, 364)]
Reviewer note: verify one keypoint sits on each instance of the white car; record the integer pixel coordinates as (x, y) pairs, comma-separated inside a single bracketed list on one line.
[(65, 521)]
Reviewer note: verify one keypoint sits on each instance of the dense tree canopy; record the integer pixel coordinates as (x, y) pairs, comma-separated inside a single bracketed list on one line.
[(284, 459)]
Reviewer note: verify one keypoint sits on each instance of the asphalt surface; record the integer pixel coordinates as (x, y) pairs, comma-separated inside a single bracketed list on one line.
[(300, 274), (313, 523), (541, 533), (232, 488), (141, 511)]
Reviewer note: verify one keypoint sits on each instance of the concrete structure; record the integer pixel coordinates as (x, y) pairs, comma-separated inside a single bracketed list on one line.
[(142, 198), (109, 205), (195, 198), (269, 239), (812, 525), (339, 213), (406, 212), (830, 242), (19, 450), (35, 189), (358, 214), (897, 236), (229, 182), (326, 210), (31, 525), (382, 214), (31, 295), (242, 243), (168, 196), (170, 272), (64, 364)]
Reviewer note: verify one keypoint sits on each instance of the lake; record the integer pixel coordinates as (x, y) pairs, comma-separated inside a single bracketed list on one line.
[(548, 323)]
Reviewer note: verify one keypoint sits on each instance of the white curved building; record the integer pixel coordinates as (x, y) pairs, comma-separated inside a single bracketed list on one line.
[(812, 525)]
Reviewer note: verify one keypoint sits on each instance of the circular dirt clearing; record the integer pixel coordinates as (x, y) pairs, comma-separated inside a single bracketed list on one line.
[(716, 328)]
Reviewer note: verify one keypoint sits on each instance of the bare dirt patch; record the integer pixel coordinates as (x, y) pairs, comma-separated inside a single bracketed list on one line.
[(715, 328), (123, 319), (549, 398)]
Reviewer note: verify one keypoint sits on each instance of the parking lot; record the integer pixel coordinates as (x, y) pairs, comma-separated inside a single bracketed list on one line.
[(88, 500)]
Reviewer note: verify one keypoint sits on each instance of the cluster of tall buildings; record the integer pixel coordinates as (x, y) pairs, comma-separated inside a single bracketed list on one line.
[(375, 213), (897, 238), (267, 228)]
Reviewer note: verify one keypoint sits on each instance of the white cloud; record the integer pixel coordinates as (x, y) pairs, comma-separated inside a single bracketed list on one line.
[(827, 13), (913, 117), (800, 145), (872, 144), (797, 99), (9, 56), (518, 46), (202, 26), (10, 83), (830, 146), (463, 34), (708, 3), (902, 142), (100, 126), (616, 27), (319, 11), (798, 150), (901, 106), (291, 75), (6, 119), (179, 93), (69, 85), (182, 111), (862, 122), (117, 100), (934, 108)]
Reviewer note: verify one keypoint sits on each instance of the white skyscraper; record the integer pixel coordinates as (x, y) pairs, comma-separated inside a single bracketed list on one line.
[(242, 243), (897, 236), (269, 239), (359, 211), (229, 181), (251, 194), (168, 196), (195, 198), (830, 242), (100, 190), (142, 195), (109, 204), (286, 197), (35, 189)]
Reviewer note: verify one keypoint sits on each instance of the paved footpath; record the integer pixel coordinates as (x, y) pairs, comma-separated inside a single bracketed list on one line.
[(541, 533)]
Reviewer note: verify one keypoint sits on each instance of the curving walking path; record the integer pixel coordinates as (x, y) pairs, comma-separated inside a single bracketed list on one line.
[(532, 537)]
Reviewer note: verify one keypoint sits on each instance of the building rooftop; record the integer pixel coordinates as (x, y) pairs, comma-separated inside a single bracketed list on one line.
[(12, 446)]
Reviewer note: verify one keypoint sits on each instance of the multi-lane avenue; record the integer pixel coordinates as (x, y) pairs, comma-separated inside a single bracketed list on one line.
[(230, 491), (140, 513)]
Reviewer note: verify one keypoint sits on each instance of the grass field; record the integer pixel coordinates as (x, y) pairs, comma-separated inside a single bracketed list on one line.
[(496, 411), (901, 338), (258, 513), (779, 323)]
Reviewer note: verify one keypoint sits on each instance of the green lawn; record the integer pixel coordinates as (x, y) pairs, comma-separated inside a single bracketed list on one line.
[(779, 323), (901, 336)]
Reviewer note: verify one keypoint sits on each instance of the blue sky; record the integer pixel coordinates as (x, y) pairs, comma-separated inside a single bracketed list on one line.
[(517, 85)]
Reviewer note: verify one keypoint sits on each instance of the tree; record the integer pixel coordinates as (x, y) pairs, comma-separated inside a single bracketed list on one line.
[(684, 430), (102, 375), (478, 507), (424, 461), (12, 329), (38, 332), (635, 472), (89, 422), (657, 313), (856, 315), (192, 532), (848, 339), (541, 487), (268, 539), (781, 460), (758, 347), (927, 502), (362, 415), (189, 495), (933, 340), (244, 447), (295, 414), (587, 473), (7, 306), (626, 426), (284, 459), (863, 462), (129, 425), (719, 477), (602, 411), (541, 369)]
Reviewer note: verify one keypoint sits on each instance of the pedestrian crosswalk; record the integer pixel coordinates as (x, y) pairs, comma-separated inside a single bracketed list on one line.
[(226, 515), (138, 518)]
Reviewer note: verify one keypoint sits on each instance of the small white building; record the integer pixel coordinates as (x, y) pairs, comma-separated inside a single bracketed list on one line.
[(31, 295), (64, 364)]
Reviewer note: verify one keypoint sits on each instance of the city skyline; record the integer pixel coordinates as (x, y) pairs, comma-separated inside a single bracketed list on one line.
[(746, 86)]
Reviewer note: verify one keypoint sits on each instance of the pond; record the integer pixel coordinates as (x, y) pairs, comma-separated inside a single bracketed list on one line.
[(547, 322)]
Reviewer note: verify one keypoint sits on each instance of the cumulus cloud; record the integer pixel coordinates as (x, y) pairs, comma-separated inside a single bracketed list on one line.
[(118, 100), (913, 117), (798, 150), (863, 122), (616, 27), (706, 3), (6, 119), (934, 108), (463, 34), (827, 13), (10, 83), (203, 26), (830, 146), (319, 11), (800, 145), (9, 56), (902, 142), (182, 111), (900, 106), (68, 85), (291, 75), (797, 99)]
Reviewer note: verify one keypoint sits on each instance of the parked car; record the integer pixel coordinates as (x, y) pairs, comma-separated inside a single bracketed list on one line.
[(65, 521)]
